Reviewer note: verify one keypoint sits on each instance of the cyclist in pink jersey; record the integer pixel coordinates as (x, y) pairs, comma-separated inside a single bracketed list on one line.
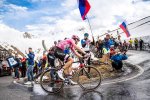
[(59, 53)]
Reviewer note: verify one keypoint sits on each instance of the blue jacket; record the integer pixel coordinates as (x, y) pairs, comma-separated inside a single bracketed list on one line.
[(31, 58), (106, 44), (111, 42), (118, 58)]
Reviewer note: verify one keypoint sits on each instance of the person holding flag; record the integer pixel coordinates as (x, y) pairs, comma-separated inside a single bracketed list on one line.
[(84, 8)]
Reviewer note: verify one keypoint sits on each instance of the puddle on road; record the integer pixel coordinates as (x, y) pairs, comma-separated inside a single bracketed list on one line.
[(66, 94), (91, 95)]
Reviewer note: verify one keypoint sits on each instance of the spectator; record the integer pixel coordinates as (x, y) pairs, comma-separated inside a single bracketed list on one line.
[(136, 43), (125, 45), (130, 43), (30, 58), (117, 60), (120, 43), (44, 61), (99, 46), (111, 40), (112, 51), (141, 42), (35, 70), (23, 68), (106, 49), (87, 44), (51, 61), (17, 66), (55, 43), (116, 43), (39, 64)]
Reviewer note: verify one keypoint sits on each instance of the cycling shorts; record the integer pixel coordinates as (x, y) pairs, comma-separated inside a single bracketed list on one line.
[(60, 54)]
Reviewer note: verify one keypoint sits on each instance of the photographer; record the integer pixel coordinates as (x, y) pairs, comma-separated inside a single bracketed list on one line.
[(117, 59)]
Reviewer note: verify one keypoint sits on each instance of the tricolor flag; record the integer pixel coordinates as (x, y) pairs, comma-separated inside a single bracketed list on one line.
[(84, 8), (123, 26)]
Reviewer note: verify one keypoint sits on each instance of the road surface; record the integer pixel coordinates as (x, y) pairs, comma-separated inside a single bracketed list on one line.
[(135, 86)]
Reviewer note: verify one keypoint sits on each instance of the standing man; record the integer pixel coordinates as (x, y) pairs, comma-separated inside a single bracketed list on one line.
[(106, 48), (55, 43), (99, 46), (86, 42), (23, 68), (17, 66), (130, 43), (136, 43), (141, 43), (30, 59)]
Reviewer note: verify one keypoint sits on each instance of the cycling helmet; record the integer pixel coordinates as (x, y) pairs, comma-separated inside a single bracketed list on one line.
[(75, 37), (86, 34)]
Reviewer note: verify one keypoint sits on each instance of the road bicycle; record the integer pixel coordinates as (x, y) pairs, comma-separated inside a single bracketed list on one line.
[(85, 78)]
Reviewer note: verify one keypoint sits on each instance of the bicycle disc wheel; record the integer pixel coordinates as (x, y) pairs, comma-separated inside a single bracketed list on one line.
[(89, 78), (50, 82)]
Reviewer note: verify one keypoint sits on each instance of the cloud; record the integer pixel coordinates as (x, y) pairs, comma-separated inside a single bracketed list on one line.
[(57, 17), (48, 19), (40, 0), (1, 3), (16, 8), (70, 3), (104, 15), (15, 37)]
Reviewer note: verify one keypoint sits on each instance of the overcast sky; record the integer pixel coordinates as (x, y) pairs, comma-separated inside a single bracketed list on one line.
[(57, 19)]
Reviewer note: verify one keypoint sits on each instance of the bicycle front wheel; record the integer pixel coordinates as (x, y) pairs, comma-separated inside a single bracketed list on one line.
[(50, 82), (89, 78)]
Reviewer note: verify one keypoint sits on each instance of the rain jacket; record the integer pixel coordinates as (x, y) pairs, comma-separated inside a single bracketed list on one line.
[(107, 44), (31, 58), (111, 42), (118, 58)]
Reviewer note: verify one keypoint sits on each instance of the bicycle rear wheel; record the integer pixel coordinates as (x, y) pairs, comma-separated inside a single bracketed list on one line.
[(50, 82), (89, 79)]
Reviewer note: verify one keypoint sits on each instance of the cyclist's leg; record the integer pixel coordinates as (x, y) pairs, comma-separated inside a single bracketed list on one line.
[(65, 58), (68, 65)]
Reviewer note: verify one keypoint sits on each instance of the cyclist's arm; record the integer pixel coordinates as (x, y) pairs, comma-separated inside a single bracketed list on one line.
[(74, 46), (76, 53), (79, 49)]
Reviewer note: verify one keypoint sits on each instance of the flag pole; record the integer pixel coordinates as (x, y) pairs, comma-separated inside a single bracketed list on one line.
[(89, 25)]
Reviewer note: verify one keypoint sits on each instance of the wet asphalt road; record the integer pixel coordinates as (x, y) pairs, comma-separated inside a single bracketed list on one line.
[(134, 89)]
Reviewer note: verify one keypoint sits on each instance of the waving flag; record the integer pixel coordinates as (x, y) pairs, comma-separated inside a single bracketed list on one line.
[(84, 8), (123, 26)]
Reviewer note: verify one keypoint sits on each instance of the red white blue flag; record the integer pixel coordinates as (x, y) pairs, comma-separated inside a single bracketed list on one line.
[(123, 26), (84, 8)]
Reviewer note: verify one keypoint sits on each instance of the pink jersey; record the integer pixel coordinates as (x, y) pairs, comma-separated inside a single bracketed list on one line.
[(66, 44)]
